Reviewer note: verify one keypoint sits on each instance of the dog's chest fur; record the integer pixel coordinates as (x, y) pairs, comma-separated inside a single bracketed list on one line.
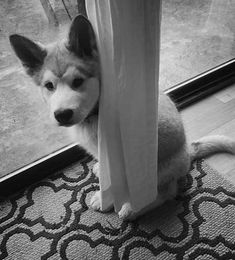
[(86, 135)]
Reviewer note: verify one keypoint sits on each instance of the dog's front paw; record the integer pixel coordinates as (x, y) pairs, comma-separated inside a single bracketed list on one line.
[(126, 212), (96, 169), (95, 201)]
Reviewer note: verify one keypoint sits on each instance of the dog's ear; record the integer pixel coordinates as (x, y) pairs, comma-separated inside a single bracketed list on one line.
[(81, 39), (31, 54)]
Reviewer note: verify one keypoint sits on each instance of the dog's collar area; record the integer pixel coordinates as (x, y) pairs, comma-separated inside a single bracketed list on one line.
[(93, 112)]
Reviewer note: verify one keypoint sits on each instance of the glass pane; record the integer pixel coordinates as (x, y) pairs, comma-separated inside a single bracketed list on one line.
[(197, 35), (26, 133)]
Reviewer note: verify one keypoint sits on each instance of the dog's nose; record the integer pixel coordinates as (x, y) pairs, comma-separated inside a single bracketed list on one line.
[(63, 116)]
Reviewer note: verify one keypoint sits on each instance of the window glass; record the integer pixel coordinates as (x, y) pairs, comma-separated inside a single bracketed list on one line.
[(195, 36), (26, 133)]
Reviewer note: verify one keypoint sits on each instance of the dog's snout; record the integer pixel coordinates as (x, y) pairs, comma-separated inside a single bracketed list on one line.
[(63, 116)]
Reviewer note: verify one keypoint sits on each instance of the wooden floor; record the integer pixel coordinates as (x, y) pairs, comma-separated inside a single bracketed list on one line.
[(214, 115)]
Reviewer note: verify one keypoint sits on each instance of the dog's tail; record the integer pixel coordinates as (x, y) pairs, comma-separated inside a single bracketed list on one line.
[(209, 145)]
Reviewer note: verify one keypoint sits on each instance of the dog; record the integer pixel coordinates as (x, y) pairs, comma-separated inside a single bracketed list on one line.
[(69, 75)]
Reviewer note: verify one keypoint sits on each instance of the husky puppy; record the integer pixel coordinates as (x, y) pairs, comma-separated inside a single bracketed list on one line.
[(68, 74)]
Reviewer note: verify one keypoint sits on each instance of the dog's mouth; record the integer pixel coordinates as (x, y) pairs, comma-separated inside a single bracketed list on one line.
[(66, 124)]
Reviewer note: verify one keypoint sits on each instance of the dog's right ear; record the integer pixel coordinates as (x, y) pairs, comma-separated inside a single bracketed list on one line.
[(81, 38), (30, 54)]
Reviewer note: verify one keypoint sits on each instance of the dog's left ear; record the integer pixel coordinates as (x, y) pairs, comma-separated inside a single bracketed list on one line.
[(31, 54), (82, 40)]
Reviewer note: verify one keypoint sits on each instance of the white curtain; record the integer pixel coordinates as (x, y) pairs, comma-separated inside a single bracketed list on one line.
[(128, 34)]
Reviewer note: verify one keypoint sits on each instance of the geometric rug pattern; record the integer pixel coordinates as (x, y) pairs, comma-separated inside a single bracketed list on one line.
[(52, 220)]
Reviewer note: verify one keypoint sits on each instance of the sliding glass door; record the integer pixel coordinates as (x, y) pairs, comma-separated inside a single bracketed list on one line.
[(196, 36)]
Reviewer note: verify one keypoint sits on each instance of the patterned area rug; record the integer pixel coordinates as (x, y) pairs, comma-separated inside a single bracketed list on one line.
[(51, 220)]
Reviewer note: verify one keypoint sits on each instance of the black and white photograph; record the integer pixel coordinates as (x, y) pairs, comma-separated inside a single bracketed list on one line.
[(117, 134)]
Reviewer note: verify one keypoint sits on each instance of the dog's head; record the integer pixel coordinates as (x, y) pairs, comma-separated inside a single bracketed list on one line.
[(67, 72)]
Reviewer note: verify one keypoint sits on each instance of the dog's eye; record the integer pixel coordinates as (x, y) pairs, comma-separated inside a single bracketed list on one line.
[(77, 82), (49, 85)]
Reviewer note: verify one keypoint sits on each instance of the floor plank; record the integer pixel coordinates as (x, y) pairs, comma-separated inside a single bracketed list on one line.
[(214, 115)]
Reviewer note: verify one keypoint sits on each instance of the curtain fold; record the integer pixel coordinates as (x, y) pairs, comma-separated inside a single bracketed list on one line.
[(128, 34)]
